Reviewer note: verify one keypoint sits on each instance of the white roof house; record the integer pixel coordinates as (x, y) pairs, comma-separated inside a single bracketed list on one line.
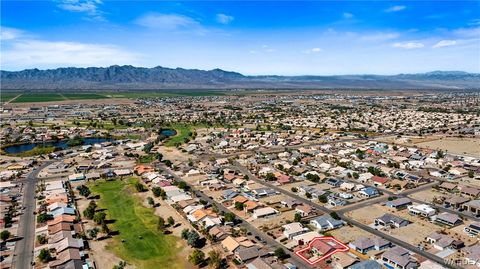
[(424, 210), (293, 229), (264, 212)]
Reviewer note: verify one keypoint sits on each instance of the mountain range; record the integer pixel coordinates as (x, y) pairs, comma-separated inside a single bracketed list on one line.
[(140, 78)]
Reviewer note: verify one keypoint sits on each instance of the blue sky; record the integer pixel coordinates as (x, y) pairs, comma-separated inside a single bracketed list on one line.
[(251, 37)]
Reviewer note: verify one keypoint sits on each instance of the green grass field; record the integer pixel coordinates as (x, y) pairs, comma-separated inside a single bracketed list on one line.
[(52, 97), (60, 96), (132, 219), (83, 96), (7, 96), (38, 97), (183, 132)]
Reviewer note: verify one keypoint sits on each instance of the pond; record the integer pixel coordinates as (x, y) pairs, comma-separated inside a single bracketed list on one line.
[(168, 132), (62, 144)]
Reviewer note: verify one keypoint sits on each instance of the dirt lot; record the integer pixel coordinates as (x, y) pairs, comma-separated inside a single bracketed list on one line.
[(347, 233), (367, 214), (273, 222), (426, 196), (173, 154), (469, 146)]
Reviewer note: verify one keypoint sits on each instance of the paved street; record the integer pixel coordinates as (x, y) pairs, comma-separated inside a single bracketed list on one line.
[(23, 253)]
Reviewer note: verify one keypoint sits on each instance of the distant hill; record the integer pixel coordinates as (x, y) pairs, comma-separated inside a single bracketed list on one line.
[(139, 78)]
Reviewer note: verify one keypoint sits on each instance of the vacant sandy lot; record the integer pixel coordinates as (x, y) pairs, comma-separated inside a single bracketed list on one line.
[(414, 233), (469, 146), (367, 214), (348, 234), (426, 195)]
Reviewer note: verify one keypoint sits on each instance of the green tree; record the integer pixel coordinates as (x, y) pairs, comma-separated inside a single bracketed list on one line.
[(44, 255), (84, 190), (161, 224), (171, 221), (280, 253), (150, 201), (334, 215), (105, 228), (4, 235), (42, 218), (185, 234), (93, 232), (140, 187), (196, 257), (99, 217), (239, 206), (322, 199), (182, 185), (193, 238), (270, 177), (157, 191), (229, 217), (42, 239), (297, 217), (471, 174), (214, 259)]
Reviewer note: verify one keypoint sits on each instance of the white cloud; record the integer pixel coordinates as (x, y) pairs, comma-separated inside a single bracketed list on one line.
[(347, 15), (90, 7), (224, 19), (444, 43), (395, 9), (312, 50), (473, 32), (409, 45), (7, 33), (40, 53), (167, 21), (379, 36)]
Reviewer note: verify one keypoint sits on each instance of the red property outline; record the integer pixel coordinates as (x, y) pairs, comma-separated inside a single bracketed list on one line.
[(298, 252)]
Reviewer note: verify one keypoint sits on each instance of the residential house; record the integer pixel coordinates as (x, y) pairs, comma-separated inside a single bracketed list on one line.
[(369, 192), (389, 220), (399, 203), (304, 210), (335, 182), (326, 222), (448, 219), (367, 264), (440, 241), (472, 207), (293, 229), (265, 212), (473, 229), (423, 210), (398, 258), (365, 244)]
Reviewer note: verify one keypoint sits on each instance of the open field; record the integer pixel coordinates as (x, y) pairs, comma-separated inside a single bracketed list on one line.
[(5, 97), (54, 97), (65, 96), (470, 146), (143, 245), (38, 97)]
